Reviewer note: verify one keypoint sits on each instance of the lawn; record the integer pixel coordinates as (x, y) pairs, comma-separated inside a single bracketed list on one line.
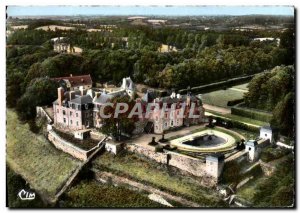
[(221, 97), (150, 172), (94, 194), (237, 118), (35, 159), (242, 86)]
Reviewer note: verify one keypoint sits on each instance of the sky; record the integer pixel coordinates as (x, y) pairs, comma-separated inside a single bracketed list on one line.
[(148, 10)]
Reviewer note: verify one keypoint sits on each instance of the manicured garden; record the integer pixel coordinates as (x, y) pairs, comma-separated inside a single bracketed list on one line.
[(220, 98)]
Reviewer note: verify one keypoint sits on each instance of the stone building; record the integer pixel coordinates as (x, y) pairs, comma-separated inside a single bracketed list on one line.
[(73, 110), (72, 83), (266, 132), (163, 119), (252, 149)]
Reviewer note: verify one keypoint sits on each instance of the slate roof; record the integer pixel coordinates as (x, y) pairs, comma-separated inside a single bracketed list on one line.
[(266, 128), (85, 99), (252, 143), (103, 98)]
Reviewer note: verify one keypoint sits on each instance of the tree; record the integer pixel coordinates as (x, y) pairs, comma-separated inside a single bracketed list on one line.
[(41, 92), (121, 124), (283, 115)]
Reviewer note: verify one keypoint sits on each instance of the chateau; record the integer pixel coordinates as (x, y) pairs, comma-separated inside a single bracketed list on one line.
[(77, 106)]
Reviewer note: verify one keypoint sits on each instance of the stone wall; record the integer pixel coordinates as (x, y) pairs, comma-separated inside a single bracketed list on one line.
[(41, 112), (194, 166), (191, 165), (156, 156), (67, 147)]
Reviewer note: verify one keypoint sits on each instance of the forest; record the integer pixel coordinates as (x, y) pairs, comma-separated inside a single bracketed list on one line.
[(202, 57)]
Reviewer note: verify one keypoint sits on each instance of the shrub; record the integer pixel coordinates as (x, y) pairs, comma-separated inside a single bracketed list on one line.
[(271, 154)]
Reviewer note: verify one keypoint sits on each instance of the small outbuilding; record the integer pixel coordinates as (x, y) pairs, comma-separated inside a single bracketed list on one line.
[(252, 149), (82, 134), (267, 132), (113, 146)]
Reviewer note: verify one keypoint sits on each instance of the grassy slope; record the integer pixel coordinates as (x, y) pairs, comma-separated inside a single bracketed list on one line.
[(93, 194), (130, 165), (33, 157)]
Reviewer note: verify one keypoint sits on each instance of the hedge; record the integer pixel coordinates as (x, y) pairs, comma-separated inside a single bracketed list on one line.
[(252, 113), (235, 101), (218, 85), (238, 124)]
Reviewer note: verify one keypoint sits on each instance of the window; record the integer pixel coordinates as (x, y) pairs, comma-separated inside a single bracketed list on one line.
[(166, 124), (65, 120), (76, 115), (57, 110), (86, 106), (64, 112), (71, 113), (156, 118), (73, 106), (249, 149), (172, 123), (78, 107), (71, 122), (77, 123), (266, 135)]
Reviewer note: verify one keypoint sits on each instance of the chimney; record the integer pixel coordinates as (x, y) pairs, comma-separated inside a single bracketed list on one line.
[(60, 95), (97, 94), (81, 90), (188, 100), (72, 95)]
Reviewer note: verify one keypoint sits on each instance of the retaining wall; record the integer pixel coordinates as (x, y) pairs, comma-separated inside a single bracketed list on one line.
[(191, 165), (69, 148), (41, 112)]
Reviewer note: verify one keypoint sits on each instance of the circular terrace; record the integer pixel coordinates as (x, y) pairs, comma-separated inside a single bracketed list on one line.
[(209, 140)]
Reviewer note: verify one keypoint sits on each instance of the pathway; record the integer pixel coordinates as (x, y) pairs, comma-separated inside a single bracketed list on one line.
[(122, 180), (220, 110)]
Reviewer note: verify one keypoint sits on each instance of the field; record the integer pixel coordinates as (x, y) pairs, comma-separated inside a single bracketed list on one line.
[(221, 97), (35, 159), (54, 27), (149, 172), (94, 194)]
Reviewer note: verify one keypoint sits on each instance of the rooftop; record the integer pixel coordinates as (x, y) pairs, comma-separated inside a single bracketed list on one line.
[(76, 80)]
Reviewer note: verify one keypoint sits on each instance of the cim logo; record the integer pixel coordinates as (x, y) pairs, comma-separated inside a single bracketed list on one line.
[(24, 195)]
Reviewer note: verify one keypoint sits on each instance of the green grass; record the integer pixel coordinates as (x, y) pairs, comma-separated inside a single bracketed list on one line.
[(149, 172), (247, 191), (239, 118), (221, 97), (242, 86), (247, 134), (94, 194), (35, 159)]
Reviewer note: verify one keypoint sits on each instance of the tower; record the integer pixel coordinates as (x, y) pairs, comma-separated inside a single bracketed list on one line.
[(252, 149), (214, 165)]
